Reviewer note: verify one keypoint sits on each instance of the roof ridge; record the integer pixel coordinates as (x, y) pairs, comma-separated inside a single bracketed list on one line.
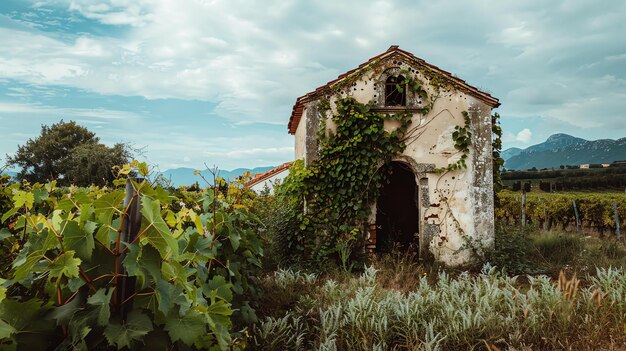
[(298, 107)]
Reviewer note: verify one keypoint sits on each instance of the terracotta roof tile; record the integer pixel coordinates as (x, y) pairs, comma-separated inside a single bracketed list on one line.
[(259, 177)]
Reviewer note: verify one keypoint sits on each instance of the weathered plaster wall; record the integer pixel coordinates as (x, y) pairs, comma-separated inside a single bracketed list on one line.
[(457, 206), (312, 126), (300, 138)]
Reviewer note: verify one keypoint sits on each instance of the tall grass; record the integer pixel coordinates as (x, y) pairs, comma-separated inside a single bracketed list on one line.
[(488, 310), (527, 250)]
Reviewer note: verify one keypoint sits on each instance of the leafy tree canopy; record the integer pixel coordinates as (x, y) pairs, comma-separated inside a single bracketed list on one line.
[(69, 153)]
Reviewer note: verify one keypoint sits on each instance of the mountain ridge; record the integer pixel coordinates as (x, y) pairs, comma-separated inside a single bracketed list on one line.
[(186, 176), (564, 149)]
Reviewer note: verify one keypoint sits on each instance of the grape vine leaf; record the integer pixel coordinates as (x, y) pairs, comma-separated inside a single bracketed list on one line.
[(23, 198), (4, 233), (6, 330), (218, 287), (187, 328), (107, 205), (143, 261), (137, 326), (24, 265), (3, 290), (65, 265), (101, 300), (157, 232), (79, 240)]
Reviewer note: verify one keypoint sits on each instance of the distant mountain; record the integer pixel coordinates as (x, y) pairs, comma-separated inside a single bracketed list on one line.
[(508, 153), (563, 149), (185, 176)]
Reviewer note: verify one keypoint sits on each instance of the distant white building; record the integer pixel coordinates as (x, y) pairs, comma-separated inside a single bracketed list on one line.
[(268, 179), (584, 166)]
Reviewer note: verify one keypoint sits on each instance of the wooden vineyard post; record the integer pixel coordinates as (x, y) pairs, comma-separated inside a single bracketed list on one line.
[(576, 215), (617, 233), (523, 207), (125, 286)]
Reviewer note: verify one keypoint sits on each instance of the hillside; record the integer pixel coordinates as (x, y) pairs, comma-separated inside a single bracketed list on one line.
[(185, 176), (563, 149)]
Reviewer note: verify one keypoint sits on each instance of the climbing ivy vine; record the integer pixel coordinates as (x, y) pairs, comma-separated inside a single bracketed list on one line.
[(336, 191), (498, 162), (345, 180)]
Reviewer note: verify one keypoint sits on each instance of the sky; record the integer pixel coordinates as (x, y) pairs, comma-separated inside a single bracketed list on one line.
[(191, 82)]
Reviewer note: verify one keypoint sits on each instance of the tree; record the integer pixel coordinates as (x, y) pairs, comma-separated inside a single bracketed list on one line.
[(92, 163), (69, 153)]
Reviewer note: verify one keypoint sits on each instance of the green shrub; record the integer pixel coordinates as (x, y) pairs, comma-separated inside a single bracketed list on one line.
[(280, 230), (513, 250)]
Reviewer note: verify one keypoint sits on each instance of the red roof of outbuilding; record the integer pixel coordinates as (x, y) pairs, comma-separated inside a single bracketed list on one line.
[(298, 107), (259, 177)]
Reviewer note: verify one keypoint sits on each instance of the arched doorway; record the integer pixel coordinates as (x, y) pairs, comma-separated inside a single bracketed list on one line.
[(397, 211)]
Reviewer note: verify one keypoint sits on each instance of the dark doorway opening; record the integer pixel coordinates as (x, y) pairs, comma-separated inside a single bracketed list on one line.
[(397, 212)]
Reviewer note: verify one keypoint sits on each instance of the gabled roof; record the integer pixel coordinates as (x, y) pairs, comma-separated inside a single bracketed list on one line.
[(259, 177), (298, 107)]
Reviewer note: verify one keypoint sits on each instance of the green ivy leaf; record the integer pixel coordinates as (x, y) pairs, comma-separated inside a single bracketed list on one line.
[(9, 214), (65, 265), (65, 313), (137, 326), (25, 315)]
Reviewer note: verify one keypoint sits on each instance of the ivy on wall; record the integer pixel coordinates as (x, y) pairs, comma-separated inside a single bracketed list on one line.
[(337, 190), (341, 185)]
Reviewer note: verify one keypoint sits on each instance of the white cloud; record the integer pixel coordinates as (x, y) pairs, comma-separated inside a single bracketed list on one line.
[(67, 113), (560, 60), (254, 152), (115, 12), (524, 136)]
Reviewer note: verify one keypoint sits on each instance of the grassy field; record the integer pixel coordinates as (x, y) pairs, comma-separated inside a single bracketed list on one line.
[(550, 291)]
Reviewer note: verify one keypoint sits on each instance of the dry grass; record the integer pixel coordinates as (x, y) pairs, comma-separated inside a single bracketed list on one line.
[(399, 305)]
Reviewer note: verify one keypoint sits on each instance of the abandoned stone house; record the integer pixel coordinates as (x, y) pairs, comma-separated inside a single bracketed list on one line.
[(438, 211)]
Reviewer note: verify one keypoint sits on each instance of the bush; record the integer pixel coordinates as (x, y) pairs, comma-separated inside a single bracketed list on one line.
[(512, 250), (280, 229)]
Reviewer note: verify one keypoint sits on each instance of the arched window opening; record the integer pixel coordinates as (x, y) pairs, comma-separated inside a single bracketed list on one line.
[(395, 91)]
